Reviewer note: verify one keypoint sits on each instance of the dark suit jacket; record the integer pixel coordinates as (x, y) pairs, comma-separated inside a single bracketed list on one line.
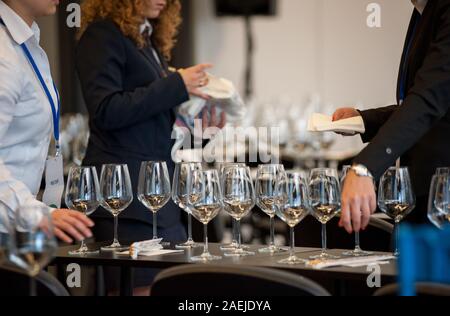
[(131, 102), (418, 131)]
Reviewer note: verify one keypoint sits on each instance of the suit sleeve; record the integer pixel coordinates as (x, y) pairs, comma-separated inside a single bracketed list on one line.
[(374, 119), (101, 61), (426, 103)]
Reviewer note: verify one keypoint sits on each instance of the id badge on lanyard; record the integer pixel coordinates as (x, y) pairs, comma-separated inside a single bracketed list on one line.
[(54, 169)]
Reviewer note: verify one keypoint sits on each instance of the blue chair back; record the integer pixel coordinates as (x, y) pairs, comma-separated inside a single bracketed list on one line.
[(424, 257)]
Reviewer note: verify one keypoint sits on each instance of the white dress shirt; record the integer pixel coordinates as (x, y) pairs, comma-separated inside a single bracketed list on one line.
[(420, 5), (26, 124)]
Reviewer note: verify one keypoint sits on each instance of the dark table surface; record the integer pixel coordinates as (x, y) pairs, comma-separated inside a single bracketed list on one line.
[(356, 276)]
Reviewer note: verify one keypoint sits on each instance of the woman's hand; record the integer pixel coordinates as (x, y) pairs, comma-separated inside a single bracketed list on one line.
[(194, 78), (70, 225)]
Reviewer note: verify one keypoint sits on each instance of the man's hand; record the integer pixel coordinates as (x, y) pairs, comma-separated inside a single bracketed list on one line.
[(70, 225), (358, 202), (345, 113)]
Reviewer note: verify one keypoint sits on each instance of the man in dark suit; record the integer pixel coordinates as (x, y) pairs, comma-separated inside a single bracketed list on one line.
[(417, 129)]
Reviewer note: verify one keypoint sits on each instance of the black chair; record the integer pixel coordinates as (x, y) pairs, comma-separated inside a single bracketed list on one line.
[(218, 280), (14, 283), (422, 289)]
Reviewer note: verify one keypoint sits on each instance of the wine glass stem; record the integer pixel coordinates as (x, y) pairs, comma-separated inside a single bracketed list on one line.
[(238, 233), (272, 231), (324, 238), (155, 225), (116, 224), (292, 248), (190, 227), (205, 236), (357, 242), (235, 231), (33, 290), (396, 231)]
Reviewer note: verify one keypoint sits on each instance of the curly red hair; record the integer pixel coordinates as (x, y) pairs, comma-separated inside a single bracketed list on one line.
[(128, 17)]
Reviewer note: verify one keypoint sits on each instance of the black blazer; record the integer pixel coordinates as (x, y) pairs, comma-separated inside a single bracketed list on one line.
[(131, 102), (418, 131)]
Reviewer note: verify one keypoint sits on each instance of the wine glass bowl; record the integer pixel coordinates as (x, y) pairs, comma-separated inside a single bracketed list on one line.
[(325, 199), (116, 194), (239, 200), (205, 201), (83, 195), (396, 198)]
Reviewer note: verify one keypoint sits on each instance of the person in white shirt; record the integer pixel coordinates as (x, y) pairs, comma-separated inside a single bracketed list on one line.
[(26, 124)]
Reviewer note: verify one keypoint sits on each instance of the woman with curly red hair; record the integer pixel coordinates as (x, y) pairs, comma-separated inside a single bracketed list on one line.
[(132, 99)]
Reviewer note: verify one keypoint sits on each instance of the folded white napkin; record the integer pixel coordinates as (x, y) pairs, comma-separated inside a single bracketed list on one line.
[(324, 123), (224, 96), (352, 262), (147, 248)]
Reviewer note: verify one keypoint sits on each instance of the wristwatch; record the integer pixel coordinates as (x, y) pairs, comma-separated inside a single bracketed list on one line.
[(361, 171)]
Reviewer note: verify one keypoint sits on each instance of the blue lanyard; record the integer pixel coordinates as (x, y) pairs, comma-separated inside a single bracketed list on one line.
[(55, 110)]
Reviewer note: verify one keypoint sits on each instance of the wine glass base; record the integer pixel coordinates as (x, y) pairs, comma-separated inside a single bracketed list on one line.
[(324, 255), (83, 252), (114, 247), (205, 257), (294, 260), (238, 253), (271, 249), (357, 253), (233, 247), (188, 245)]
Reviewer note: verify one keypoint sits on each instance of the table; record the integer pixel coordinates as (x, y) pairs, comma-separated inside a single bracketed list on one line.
[(337, 280)]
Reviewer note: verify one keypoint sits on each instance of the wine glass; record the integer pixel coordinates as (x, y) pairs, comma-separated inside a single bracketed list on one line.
[(116, 195), (6, 231), (33, 243), (357, 252), (438, 218), (396, 197), (180, 197), (83, 195), (154, 189), (238, 200), (234, 243), (442, 195), (325, 198), (205, 201), (295, 208), (267, 198)]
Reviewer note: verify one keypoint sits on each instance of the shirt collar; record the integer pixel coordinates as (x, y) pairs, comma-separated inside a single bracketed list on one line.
[(146, 26), (17, 27), (420, 5)]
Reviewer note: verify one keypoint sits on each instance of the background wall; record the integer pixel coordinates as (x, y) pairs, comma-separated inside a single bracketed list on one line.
[(312, 46)]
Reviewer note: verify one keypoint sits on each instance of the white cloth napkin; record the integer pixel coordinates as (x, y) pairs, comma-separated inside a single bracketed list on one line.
[(147, 248), (349, 262), (224, 96), (323, 123)]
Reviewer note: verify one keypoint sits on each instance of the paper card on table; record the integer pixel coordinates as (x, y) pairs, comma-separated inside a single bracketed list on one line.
[(358, 261), (323, 123)]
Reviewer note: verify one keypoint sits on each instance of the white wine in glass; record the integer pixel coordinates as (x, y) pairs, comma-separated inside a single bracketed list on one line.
[(180, 197), (205, 200), (267, 198), (325, 199), (154, 189), (239, 200), (83, 195), (396, 197), (116, 195), (295, 209)]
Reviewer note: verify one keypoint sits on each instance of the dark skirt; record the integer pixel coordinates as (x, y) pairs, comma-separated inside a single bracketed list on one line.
[(132, 231)]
